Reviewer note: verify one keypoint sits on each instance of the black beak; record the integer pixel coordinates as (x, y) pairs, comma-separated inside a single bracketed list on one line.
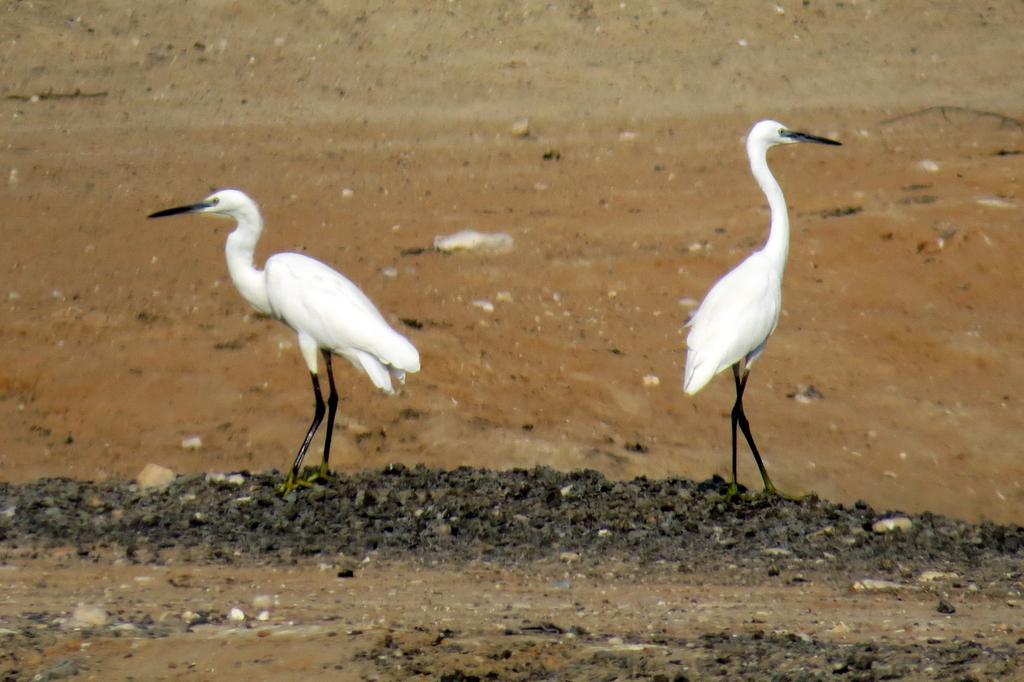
[(804, 137), (181, 209)]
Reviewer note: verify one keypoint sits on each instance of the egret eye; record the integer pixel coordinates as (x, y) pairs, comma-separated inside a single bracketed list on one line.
[(782, 132), (215, 201)]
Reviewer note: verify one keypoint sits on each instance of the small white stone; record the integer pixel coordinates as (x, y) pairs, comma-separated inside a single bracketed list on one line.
[(928, 166), (154, 476), (503, 297), (651, 380), (236, 615), (220, 477), (87, 615), (995, 202), (873, 585), (472, 240), (486, 306), (935, 576), (263, 616), (347, 193), (191, 443), (777, 551), (892, 523), (627, 136), (389, 272), (521, 128)]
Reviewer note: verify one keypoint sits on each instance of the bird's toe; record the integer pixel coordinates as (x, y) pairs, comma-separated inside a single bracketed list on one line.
[(293, 483), (322, 474)]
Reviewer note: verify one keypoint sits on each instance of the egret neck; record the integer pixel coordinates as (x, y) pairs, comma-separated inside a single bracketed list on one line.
[(241, 245), (777, 246)]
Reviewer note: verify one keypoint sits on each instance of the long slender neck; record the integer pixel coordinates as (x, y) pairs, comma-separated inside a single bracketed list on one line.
[(239, 251), (777, 246)]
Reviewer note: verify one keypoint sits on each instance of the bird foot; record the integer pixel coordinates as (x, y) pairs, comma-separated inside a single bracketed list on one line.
[(735, 492), (293, 483), (771, 491), (321, 475)]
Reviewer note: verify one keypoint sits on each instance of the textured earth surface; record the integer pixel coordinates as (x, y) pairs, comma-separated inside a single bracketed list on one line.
[(472, 574), (606, 139)]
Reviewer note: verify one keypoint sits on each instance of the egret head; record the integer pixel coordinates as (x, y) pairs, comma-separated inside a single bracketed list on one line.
[(227, 202), (770, 133)]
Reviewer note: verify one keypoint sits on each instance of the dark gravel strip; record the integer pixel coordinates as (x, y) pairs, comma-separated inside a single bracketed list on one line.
[(471, 514)]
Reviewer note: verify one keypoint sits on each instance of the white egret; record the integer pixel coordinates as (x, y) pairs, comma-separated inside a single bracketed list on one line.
[(327, 311), (740, 312)]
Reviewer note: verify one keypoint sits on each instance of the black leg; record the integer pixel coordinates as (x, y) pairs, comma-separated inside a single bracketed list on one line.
[(332, 409), (738, 417), (318, 415), (737, 409)]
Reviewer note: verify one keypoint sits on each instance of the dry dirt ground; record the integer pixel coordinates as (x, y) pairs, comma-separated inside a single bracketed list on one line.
[(627, 198)]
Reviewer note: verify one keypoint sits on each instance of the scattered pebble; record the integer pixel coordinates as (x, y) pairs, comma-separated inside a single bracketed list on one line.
[(154, 476), (520, 128), (873, 585), (996, 202), (347, 193), (935, 576), (236, 615), (230, 479), (928, 166), (192, 443), (651, 380), (503, 297), (805, 394), (627, 136), (87, 615), (892, 523), (471, 240), (945, 607), (484, 305)]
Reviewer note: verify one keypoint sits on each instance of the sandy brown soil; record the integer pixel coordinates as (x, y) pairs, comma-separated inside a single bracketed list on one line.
[(402, 622), (123, 336)]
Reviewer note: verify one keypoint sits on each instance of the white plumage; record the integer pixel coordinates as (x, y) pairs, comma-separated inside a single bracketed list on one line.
[(324, 305), (751, 292), (740, 312), (329, 313)]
